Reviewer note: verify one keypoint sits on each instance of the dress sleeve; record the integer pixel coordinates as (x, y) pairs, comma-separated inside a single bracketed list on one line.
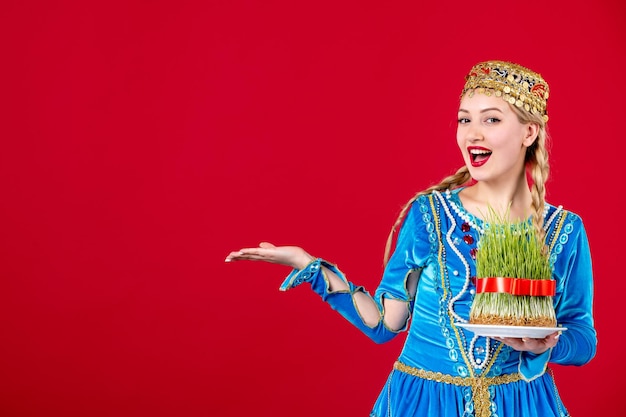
[(413, 248), (573, 301), (393, 285)]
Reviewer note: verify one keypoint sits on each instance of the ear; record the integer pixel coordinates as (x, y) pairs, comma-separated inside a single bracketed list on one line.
[(532, 130)]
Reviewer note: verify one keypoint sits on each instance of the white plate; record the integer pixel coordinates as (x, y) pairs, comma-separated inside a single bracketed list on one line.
[(491, 330)]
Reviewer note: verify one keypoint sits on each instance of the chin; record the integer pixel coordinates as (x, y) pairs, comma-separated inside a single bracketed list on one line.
[(481, 176)]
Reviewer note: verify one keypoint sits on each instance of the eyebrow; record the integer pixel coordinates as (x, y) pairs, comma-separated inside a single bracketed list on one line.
[(483, 110)]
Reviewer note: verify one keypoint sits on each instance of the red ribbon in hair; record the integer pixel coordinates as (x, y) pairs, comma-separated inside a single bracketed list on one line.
[(516, 286)]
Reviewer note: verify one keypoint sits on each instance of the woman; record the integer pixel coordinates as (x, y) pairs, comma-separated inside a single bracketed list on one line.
[(445, 369)]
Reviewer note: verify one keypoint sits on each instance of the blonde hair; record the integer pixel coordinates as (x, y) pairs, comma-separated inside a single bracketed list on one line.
[(537, 166)]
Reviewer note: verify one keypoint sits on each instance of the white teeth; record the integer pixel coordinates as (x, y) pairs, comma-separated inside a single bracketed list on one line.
[(479, 152)]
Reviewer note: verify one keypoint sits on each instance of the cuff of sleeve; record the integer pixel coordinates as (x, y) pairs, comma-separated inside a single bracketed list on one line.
[(533, 365), (298, 276)]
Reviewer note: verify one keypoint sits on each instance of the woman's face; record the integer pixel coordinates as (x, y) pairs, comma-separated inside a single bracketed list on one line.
[(492, 139)]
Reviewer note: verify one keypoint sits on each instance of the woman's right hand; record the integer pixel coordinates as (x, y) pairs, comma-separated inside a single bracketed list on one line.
[(292, 256)]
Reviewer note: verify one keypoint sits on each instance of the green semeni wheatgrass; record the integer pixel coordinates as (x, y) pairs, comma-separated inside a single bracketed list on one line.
[(511, 250)]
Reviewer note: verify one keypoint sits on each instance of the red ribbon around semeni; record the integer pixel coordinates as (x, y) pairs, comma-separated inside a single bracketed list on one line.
[(516, 286)]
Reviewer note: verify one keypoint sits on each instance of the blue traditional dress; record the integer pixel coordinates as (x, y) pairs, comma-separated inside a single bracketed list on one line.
[(443, 369)]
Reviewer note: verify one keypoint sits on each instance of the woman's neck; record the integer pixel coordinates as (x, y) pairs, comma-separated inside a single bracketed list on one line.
[(514, 201)]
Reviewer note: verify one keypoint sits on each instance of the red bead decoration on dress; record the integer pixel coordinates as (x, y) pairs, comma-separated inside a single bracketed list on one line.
[(468, 239), (473, 253), (465, 227)]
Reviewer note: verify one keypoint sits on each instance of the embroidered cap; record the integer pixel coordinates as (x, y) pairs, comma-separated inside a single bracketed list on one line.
[(516, 84)]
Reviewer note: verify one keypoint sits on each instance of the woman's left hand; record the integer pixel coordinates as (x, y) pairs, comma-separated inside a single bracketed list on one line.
[(528, 344)]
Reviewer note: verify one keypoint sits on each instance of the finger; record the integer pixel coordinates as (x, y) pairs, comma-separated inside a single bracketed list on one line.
[(551, 340), (266, 245), (241, 254), (247, 257), (233, 256), (509, 340), (515, 343), (254, 254), (258, 252)]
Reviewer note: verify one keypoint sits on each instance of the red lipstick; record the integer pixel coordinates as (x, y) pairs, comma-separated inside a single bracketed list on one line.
[(478, 155)]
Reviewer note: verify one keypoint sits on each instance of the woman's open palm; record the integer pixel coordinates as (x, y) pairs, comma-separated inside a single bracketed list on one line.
[(292, 256)]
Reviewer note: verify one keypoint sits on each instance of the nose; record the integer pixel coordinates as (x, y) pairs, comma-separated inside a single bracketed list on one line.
[(473, 132)]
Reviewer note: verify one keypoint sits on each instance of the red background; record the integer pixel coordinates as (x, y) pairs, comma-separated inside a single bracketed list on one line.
[(144, 140)]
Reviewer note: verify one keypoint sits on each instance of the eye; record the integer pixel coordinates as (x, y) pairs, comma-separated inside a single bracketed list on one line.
[(463, 120), (492, 120)]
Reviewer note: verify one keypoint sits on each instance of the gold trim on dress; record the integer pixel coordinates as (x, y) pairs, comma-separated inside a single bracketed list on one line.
[(480, 385)]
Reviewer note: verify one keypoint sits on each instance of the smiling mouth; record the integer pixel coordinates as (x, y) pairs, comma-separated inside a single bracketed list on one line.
[(479, 156)]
